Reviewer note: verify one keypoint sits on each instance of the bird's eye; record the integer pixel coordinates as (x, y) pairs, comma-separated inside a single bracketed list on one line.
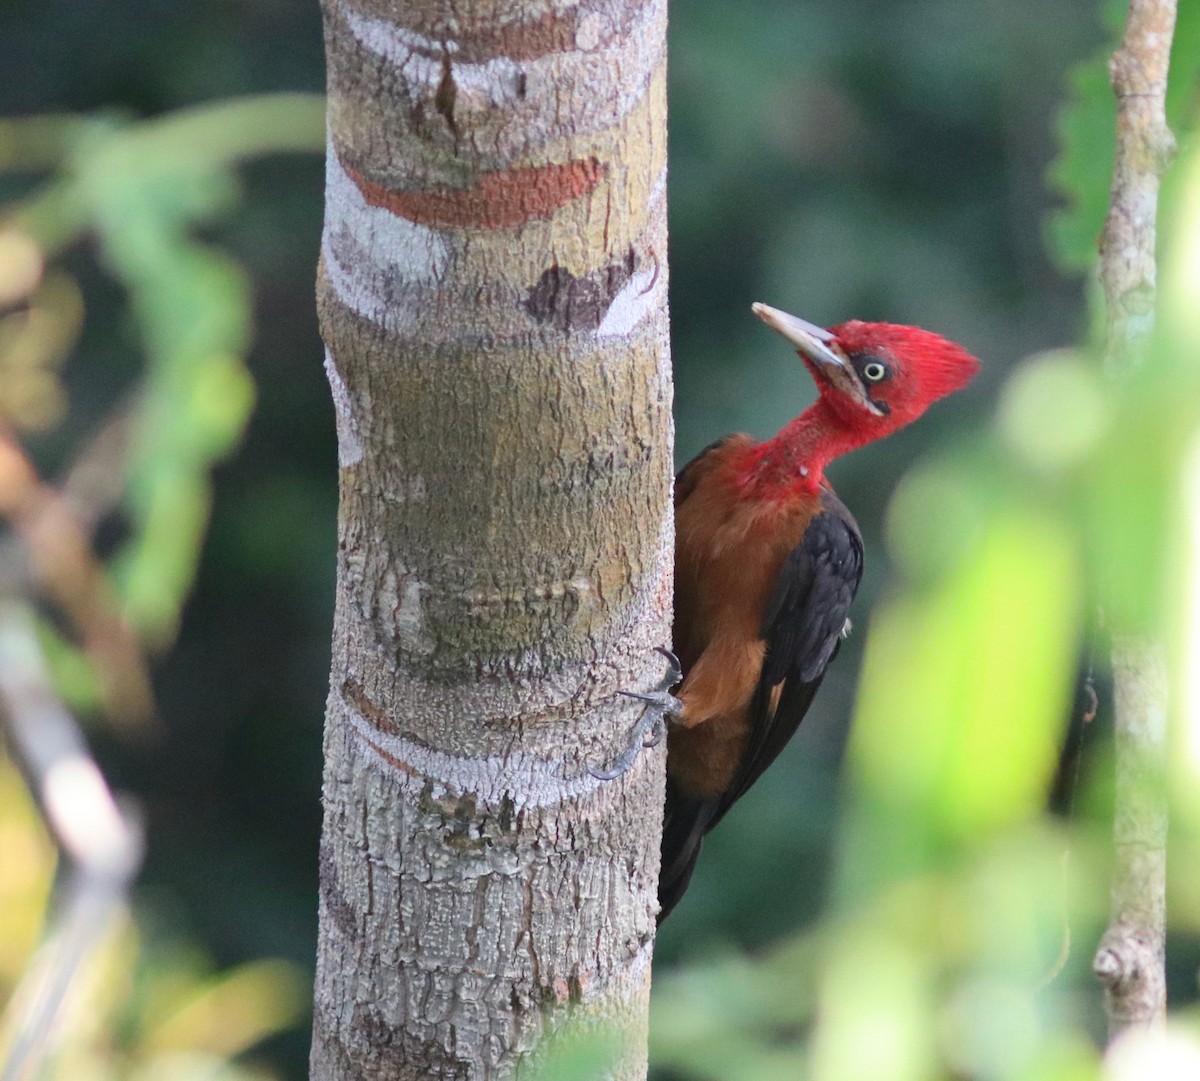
[(874, 371)]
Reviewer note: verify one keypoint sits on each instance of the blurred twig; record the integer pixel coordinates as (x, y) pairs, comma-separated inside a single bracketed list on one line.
[(95, 483), (102, 847), (64, 564), (1130, 961)]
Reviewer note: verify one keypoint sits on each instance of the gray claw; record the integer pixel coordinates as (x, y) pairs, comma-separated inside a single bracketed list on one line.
[(658, 729), (651, 727), (623, 762), (674, 673)]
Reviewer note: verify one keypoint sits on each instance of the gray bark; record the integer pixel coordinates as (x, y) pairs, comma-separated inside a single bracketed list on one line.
[(492, 293)]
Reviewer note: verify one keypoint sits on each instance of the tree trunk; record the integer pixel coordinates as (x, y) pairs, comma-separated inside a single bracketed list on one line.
[(492, 292)]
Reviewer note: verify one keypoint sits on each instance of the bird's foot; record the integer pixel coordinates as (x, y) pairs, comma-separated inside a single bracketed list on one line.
[(661, 707)]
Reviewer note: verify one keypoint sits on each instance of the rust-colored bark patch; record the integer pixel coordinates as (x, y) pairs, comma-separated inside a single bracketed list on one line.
[(553, 32), (501, 200)]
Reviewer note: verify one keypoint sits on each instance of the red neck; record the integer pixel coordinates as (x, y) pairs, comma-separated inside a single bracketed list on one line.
[(793, 463)]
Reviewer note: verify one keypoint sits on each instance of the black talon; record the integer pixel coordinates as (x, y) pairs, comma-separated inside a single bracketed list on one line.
[(652, 725)]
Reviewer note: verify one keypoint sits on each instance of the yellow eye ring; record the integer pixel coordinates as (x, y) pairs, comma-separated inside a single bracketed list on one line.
[(874, 371)]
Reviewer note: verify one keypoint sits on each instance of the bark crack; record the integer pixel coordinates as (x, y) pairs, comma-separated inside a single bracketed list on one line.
[(447, 92)]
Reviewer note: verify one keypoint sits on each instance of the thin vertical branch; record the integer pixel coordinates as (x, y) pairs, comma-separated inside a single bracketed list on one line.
[(1130, 961)]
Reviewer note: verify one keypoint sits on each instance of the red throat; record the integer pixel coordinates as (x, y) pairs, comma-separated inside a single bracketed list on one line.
[(793, 462)]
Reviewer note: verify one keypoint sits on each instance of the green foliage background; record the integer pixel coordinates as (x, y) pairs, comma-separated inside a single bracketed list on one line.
[(883, 904)]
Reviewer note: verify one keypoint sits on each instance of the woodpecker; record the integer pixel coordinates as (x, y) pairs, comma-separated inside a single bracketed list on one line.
[(767, 563)]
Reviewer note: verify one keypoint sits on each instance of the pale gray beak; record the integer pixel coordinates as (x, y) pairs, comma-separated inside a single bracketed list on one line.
[(817, 345)]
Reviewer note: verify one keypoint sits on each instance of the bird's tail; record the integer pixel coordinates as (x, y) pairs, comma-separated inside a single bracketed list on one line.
[(685, 823)]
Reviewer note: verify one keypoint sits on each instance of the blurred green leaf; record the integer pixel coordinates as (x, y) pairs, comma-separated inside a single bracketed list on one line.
[(964, 685), (1129, 490), (1065, 1058), (74, 676), (144, 187), (1183, 90), (227, 1014), (875, 999), (197, 400), (153, 572), (1179, 335), (582, 1049), (1054, 410), (1082, 171), (735, 1018), (1179, 289)]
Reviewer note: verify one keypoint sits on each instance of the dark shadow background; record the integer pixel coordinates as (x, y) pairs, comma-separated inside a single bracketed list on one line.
[(861, 159)]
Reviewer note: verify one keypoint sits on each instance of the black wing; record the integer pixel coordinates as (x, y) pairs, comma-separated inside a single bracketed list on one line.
[(802, 627), (803, 630)]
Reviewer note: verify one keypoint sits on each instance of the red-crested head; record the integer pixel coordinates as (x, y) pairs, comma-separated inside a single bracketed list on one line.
[(873, 379), (903, 370)]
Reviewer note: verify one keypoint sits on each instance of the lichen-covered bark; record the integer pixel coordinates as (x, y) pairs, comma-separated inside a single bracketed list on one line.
[(1130, 961), (492, 293)]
